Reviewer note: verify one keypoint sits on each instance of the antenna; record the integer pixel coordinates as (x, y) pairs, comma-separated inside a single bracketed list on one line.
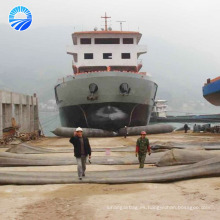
[(106, 21), (121, 23)]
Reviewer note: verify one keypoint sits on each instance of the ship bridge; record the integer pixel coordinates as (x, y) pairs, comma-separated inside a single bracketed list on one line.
[(106, 50)]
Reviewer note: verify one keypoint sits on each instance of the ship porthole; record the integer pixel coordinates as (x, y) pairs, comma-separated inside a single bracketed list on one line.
[(93, 88), (124, 88)]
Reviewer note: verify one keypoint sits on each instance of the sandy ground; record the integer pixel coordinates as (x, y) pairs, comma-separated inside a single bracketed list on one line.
[(192, 199)]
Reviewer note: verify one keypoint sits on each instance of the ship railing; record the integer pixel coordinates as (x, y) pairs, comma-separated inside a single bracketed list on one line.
[(212, 80), (142, 73), (70, 77)]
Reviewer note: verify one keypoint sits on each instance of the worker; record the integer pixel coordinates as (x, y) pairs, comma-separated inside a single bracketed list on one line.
[(186, 128), (81, 151), (142, 147), (194, 128), (39, 132), (125, 131)]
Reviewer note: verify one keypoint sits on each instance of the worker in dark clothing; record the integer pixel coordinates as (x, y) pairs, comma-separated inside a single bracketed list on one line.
[(81, 150), (186, 128), (142, 147), (125, 131), (39, 132)]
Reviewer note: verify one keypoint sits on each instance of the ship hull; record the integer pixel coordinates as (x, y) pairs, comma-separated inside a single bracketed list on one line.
[(109, 110), (211, 92), (213, 98), (107, 116)]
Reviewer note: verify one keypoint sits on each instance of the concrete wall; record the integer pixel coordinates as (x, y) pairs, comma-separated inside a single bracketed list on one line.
[(23, 108)]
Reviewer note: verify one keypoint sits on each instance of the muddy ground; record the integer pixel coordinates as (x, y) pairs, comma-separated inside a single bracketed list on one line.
[(191, 199)]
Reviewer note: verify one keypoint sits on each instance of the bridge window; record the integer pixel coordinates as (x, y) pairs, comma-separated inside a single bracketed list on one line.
[(85, 40), (107, 41), (125, 56), (88, 56), (107, 55), (128, 41)]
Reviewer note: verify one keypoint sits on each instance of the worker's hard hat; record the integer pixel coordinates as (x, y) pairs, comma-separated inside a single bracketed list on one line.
[(79, 129), (143, 132)]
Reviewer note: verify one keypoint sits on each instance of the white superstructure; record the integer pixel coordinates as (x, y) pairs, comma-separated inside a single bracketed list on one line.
[(106, 51), (160, 108)]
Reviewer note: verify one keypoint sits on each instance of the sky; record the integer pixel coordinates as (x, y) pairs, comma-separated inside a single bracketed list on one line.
[(182, 36), (191, 23)]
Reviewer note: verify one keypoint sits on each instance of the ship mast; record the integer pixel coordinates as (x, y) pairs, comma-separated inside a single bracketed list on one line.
[(121, 23), (106, 21)]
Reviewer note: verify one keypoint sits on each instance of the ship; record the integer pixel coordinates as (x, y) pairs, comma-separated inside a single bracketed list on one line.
[(107, 90), (159, 109), (211, 91)]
